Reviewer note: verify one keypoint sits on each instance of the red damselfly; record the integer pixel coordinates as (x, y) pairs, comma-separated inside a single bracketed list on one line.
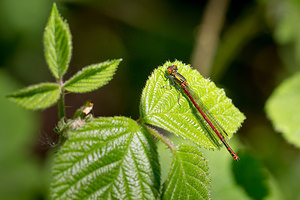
[(178, 79)]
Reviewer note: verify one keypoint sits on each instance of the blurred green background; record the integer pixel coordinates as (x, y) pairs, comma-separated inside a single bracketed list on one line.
[(247, 47)]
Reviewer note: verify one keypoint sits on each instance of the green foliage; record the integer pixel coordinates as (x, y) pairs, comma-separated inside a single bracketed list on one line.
[(37, 96), (99, 159), (159, 106), (108, 158), (58, 45), (283, 108), (249, 173), (188, 177), (116, 158), (92, 77)]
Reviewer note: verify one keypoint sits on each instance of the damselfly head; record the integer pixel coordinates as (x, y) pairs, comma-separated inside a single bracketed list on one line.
[(171, 69)]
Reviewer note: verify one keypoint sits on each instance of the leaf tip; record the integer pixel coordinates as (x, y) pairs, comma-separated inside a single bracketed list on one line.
[(54, 8), (57, 43)]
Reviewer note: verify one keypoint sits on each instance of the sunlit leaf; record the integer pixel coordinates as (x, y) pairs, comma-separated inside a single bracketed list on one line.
[(160, 107), (188, 177), (37, 96), (58, 44), (92, 77), (108, 158), (283, 108)]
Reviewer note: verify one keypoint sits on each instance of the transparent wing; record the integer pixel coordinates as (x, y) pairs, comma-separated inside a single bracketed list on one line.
[(213, 120)]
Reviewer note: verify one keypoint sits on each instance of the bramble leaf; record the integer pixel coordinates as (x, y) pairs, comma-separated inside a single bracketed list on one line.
[(188, 177), (160, 107), (107, 158), (92, 77), (37, 96), (57, 44), (283, 108)]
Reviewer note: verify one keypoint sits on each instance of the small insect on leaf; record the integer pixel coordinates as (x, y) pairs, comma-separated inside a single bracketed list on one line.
[(160, 105)]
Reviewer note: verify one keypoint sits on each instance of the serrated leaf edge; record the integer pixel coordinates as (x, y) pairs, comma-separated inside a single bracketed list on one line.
[(81, 75), (54, 66)]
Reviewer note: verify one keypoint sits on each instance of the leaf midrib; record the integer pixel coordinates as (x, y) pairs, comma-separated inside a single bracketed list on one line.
[(184, 173), (121, 168)]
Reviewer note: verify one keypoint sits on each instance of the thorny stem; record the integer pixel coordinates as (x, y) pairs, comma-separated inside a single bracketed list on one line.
[(61, 101), (61, 108), (161, 137)]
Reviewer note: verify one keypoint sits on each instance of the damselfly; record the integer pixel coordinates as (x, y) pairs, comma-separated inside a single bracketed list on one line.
[(178, 79)]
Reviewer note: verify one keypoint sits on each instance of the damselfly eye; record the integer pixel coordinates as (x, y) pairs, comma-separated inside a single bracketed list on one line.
[(169, 70)]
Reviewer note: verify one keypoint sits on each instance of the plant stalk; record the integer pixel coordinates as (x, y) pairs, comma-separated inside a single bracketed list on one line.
[(61, 101), (161, 137)]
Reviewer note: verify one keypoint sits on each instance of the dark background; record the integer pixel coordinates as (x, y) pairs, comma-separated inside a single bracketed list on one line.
[(253, 53)]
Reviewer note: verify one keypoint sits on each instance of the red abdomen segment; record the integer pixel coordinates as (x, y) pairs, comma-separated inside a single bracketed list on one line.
[(211, 125)]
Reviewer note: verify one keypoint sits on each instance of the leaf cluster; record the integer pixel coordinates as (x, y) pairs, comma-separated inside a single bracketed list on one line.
[(116, 157), (58, 46)]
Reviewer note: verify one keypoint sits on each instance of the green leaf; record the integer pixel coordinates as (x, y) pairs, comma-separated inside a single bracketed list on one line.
[(159, 106), (283, 108), (92, 77), (108, 158), (58, 44), (37, 96), (188, 177)]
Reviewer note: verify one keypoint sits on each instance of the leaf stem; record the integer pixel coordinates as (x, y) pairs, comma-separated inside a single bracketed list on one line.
[(61, 101), (161, 137)]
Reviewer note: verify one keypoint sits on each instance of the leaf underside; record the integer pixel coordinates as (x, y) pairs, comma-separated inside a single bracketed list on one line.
[(108, 158), (37, 96), (283, 108), (188, 177), (92, 77), (57, 44), (159, 106)]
